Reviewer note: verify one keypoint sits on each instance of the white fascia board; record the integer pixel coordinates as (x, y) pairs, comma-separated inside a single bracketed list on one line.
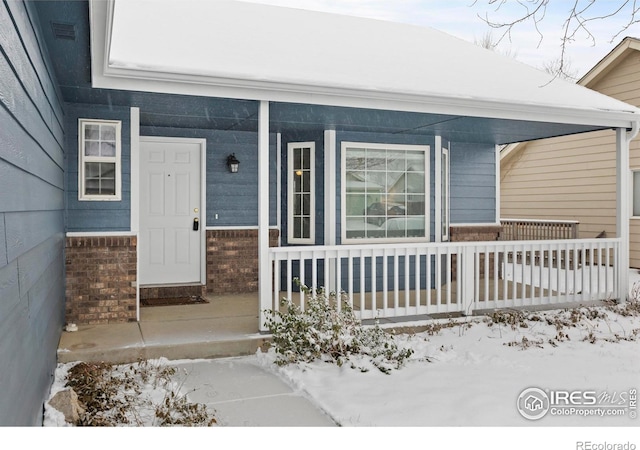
[(108, 77)]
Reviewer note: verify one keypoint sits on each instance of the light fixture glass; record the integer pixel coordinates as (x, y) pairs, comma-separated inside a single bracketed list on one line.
[(233, 163)]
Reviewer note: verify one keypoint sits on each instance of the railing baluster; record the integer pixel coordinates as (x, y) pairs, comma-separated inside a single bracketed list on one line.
[(289, 279), (385, 281), (303, 281), (314, 271), (417, 276), (338, 264), (363, 298), (449, 277), (407, 284), (427, 276), (438, 280), (374, 300), (350, 276), (396, 281)]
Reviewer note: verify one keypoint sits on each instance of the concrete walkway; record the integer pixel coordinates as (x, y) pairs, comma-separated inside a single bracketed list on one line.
[(244, 394)]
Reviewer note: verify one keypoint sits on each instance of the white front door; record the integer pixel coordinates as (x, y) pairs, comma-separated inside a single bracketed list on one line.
[(171, 220)]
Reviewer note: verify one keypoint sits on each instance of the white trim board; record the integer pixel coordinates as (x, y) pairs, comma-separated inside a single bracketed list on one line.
[(100, 233)]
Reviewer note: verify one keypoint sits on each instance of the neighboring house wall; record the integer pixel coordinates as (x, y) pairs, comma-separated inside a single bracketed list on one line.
[(574, 178), (565, 179), (31, 218)]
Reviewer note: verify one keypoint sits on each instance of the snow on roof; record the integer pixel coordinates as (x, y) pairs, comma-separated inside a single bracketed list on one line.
[(255, 42)]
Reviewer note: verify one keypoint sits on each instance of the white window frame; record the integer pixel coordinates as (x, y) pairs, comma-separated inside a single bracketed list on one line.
[(291, 148), (445, 167), (343, 191), (82, 159)]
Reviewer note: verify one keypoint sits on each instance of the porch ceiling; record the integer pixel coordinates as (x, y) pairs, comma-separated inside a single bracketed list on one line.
[(72, 65)]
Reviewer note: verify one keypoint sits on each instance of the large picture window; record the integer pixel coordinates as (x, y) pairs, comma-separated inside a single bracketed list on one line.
[(384, 192), (99, 160), (301, 194)]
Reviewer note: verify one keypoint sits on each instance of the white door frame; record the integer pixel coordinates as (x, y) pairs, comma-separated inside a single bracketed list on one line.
[(135, 181)]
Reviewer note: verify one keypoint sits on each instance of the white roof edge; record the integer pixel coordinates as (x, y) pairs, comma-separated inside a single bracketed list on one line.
[(603, 66), (594, 74), (104, 76)]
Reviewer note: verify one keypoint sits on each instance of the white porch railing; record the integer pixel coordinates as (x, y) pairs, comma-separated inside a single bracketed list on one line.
[(428, 278)]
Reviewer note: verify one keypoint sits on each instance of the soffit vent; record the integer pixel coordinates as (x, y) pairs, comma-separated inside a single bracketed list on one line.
[(64, 30)]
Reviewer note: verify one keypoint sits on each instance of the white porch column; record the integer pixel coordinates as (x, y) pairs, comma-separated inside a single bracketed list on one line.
[(437, 184), (622, 210), (330, 219), (264, 267)]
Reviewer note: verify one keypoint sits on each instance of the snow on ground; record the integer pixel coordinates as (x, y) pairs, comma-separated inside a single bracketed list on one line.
[(472, 372)]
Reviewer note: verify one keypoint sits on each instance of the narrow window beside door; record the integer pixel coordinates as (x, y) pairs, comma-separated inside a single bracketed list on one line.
[(301, 198), (99, 175)]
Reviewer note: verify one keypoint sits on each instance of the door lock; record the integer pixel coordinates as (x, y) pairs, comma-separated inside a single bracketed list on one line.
[(196, 224)]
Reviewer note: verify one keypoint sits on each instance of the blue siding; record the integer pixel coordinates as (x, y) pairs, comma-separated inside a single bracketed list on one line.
[(31, 218), (232, 196), (97, 215), (473, 183)]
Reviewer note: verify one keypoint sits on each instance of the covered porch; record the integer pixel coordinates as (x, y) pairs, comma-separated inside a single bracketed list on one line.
[(362, 90)]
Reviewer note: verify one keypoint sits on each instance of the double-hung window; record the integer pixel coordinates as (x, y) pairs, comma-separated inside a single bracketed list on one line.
[(99, 166), (301, 192), (385, 192)]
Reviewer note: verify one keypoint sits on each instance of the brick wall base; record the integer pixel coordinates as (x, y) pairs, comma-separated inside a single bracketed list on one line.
[(101, 274), (232, 260), (469, 233), (100, 279)]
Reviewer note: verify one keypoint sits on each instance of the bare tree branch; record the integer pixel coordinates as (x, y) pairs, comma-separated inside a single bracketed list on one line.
[(579, 20)]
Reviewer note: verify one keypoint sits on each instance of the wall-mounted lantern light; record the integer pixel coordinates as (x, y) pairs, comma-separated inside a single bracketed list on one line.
[(232, 163)]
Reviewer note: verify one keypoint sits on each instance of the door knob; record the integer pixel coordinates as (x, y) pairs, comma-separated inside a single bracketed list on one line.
[(196, 224)]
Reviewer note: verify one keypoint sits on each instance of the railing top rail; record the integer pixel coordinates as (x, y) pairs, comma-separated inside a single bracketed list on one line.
[(568, 222), (413, 245)]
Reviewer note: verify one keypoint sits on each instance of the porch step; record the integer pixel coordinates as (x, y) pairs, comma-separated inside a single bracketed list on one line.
[(225, 326), (125, 343)]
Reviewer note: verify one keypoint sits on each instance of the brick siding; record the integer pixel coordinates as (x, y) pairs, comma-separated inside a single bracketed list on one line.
[(100, 279), (469, 233), (232, 260)]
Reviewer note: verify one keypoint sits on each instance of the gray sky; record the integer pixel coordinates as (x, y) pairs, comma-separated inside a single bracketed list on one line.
[(460, 18)]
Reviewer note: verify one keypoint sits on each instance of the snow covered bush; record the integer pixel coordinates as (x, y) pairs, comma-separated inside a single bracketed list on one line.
[(326, 332)]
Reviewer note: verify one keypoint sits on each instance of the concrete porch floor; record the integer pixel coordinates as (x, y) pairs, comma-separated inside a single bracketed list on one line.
[(226, 326)]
